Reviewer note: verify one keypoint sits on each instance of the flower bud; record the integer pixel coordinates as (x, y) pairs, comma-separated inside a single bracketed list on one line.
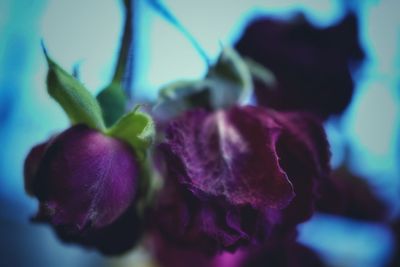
[(86, 184)]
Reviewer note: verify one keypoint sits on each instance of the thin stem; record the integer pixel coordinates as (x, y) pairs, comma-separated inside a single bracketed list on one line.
[(169, 16), (125, 64)]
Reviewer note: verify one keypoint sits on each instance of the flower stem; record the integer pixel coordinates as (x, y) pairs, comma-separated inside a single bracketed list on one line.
[(124, 68), (169, 16)]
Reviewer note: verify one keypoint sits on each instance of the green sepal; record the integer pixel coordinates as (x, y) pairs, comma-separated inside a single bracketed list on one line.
[(135, 128), (112, 101), (180, 96), (231, 78), (226, 84), (74, 98), (261, 73), (150, 184)]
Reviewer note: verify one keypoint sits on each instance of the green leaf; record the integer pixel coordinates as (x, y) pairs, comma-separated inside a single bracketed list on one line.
[(135, 128), (113, 102), (74, 98)]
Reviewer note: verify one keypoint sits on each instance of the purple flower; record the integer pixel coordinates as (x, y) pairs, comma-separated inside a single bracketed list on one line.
[(239, 176), (310, 64), (86, 184)]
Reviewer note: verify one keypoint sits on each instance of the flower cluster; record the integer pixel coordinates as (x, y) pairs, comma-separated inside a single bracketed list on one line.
[(225, 183)]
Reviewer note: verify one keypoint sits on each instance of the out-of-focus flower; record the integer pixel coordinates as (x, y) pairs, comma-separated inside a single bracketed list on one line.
[(310, 65), (239, 176), (348, 195), (86, 184)]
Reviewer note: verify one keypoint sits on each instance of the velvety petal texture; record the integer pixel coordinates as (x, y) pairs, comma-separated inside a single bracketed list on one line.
[(311, 64), (86, 184), (239, 176), (226, 154)]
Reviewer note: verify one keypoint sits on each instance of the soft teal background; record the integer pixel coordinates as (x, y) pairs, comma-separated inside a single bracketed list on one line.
[(87, 33)]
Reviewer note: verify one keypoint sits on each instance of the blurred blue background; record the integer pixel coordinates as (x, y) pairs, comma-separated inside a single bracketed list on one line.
[(87, 33)]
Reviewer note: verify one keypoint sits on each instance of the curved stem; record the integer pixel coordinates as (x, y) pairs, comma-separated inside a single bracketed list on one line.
[(169, 16), (124, 69)]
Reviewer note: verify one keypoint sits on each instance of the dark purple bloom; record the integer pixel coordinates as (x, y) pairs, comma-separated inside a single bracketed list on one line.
[(239, 176), (348, 195), (86, 184), (310, 64)]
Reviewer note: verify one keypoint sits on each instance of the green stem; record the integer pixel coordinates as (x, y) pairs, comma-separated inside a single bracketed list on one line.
[(124, 68), (169, 16)]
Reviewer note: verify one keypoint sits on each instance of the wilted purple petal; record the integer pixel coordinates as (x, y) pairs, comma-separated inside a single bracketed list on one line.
[(226, 155), (305, 155), (231, 176), (114, 239)]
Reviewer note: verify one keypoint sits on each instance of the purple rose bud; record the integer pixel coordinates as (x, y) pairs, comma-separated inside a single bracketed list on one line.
[(239, 176), (86, 184), (310, 64)]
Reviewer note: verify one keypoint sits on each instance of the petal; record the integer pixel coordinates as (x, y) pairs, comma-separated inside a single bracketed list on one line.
[(114, 239), (239, 176), (86, 178), (31, 166), (231, 154), (304, 154), (189, 222)]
